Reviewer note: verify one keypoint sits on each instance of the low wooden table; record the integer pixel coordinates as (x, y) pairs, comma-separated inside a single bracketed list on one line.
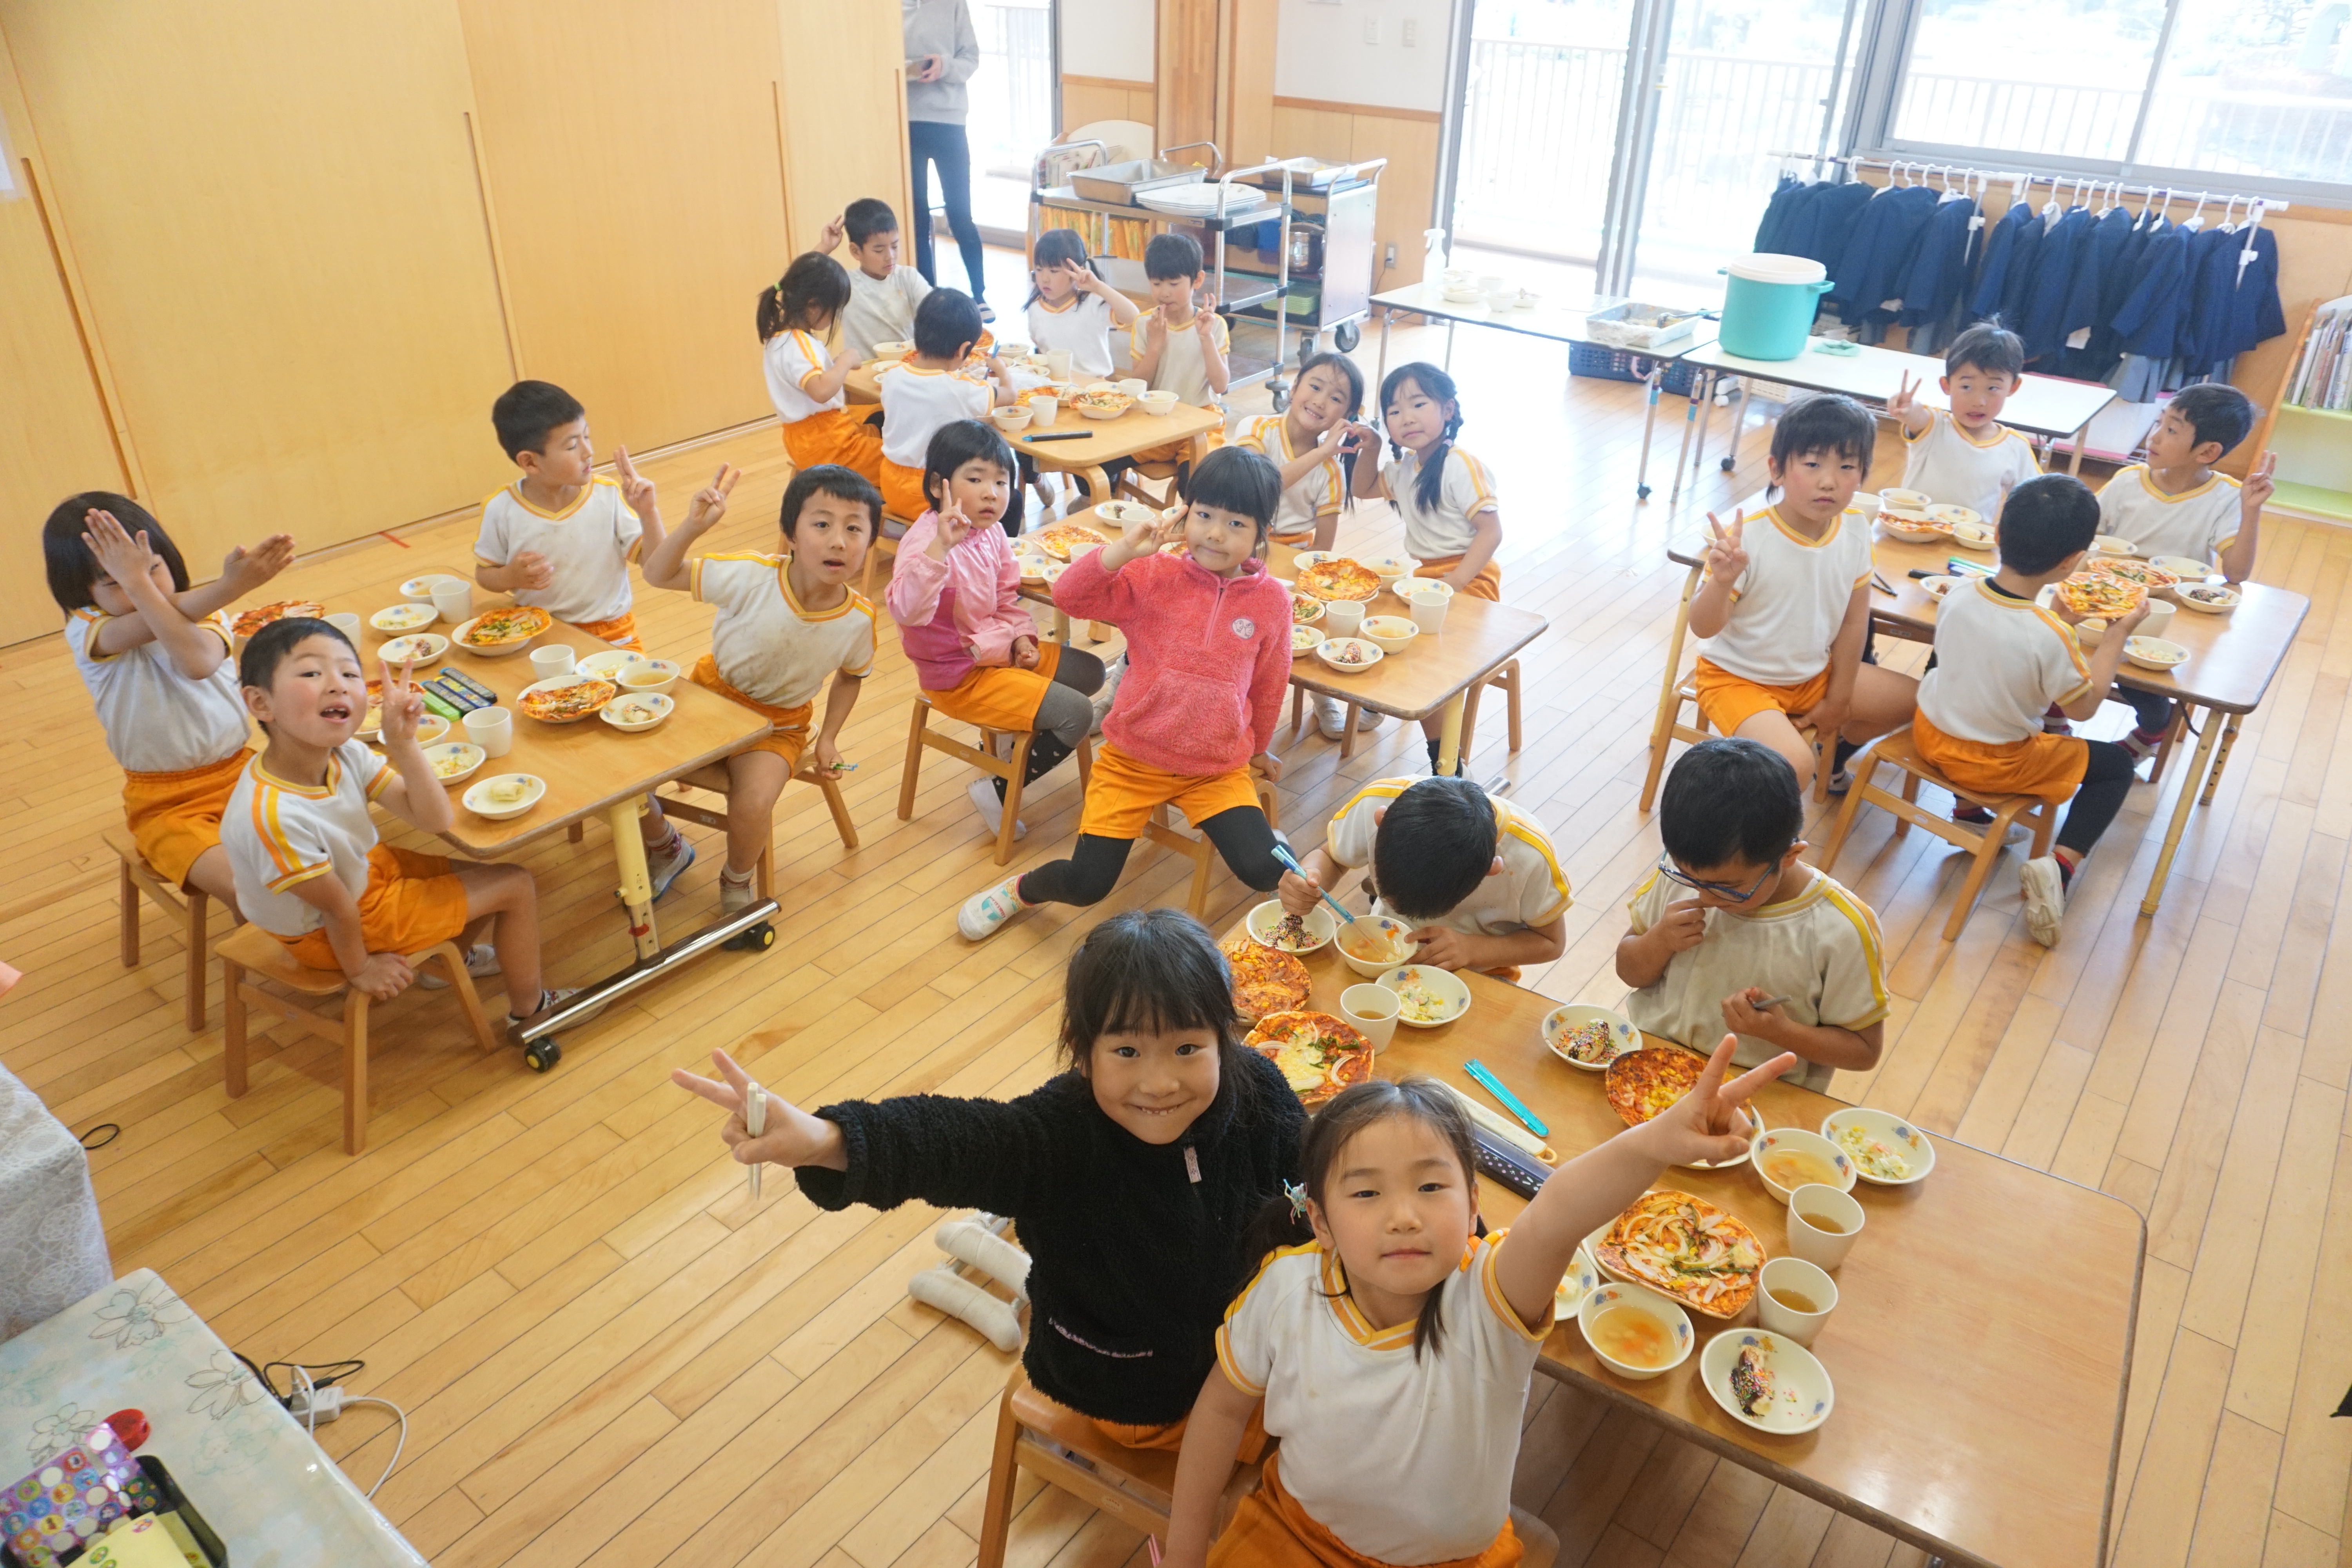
[(1979, 1392)]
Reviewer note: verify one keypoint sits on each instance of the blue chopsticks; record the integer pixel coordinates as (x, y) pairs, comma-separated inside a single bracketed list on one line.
[(1494, 1086), (1290, 860)]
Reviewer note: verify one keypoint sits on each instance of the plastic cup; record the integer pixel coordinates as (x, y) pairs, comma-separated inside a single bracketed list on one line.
[(1058, 364), (1429, 610), (346, 622), (1044, 411), (1343, 618), (1372, 1009), (454, 597), (547, 663), (1135, 386), (1805, 1280), (1823, 1243), (492, 729)]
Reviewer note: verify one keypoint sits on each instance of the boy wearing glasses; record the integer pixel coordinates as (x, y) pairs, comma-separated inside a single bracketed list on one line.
[(1733, 931)]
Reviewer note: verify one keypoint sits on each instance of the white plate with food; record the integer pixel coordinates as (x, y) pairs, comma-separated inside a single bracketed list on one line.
[(1427, 996), (609, 664), (633, 714), (1957, 516), (404, 618), (417, 647), (1638, 1334), (2210, 599), (1371, 945), (455, 762), (2113, 544), (1769, 1381), (504, 796), (2155, 653), (1587, 1038), (1936, 587), (1269, 926), (2187, 568), (1305, 609), (1886, 1151), (1122, 514), (496, 634), (1580, 1280), (1786, 1158), (1305, 639), (566, 698), (1350, 656)]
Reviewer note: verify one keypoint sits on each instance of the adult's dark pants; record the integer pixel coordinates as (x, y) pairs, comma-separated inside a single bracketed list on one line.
[(944, 144)]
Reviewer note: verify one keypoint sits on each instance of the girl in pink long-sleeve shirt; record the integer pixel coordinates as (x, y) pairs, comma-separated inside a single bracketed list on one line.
[(1208, 654), (954, 594)]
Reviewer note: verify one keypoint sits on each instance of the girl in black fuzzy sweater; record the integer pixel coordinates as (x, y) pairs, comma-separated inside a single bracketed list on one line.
[(1131, 1176)]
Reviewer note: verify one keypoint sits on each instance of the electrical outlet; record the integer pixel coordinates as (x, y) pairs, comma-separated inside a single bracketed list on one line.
[(1388, 259), (1371, 29), (1412, 31)]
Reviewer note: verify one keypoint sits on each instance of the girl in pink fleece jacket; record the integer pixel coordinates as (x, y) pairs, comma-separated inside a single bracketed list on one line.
[(954, 594), (1208, 654)]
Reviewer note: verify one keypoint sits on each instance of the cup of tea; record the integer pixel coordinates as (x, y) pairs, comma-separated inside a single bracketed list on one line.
[(492, 729), (1044, 411), (1794, 1298), (454, 597), (1372, 1009), (549, 662), (1342, 618), (1429, 608), (1822, 1224), (346, 622)]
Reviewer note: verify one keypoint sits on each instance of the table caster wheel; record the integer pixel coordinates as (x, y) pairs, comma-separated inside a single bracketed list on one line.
[(543, 1053), (1641, 491), (759, 939), (1727, 465)]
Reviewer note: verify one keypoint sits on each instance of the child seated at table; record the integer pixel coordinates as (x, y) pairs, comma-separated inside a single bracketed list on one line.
[(884, 296), (804, 379), (561, 537), (1783, 610), (1475, 875), (1071, 308), (1964, 456), (2002, 661), (2175, 504), (785, 628), (311, 870), (929, 390), (1732, 930), (1180, 343)]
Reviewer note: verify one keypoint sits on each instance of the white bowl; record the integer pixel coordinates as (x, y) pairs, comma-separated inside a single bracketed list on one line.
[(1916, 503), (1363, 654), (1910, 529), (1936, 587), (1009, 419), (1452, 992), (2187, 568), (1973, 535), (615, 712), (1622, 1036), (1903, 1140), (416, 647), (1305, 558), (430, 727), (1527, 300), (1580, 1280), (1321, 925), (504, 650), (1957, 515), (464, 751), (1304, 640), (1867, 503), (1389, 568), (2155, 653), (608, 664), (1372, 969), (406, 616), (477, 801), (1796, 1139), (1805, 1395), (2222, 600), (2113, 544), (1503, 300), (668, 672), (1121, 514), (1423, 587), (892, 350), (1388, 633), (420, 590), (1158, 404), (1676, 1323)]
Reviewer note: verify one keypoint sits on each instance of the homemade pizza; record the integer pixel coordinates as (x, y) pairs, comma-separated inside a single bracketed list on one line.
[(375, 720), (567, 704), (2124, 569), (251, 621), (1339, 578), (1305, 607), (2094, 594), (1264, 981), (1686, 1248), (1318, 1055), (514, 624), (1066, 540), (1642, 1083)]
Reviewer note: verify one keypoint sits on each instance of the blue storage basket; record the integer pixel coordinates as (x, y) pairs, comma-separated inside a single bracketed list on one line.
[(1624, 364)]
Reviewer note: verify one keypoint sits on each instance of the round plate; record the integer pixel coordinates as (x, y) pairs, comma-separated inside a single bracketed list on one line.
[(1580, 1280), (416, 647), (1906, 1142), (477, 801), (1802, 1394), (1363, 653), (405, 618), (1321, 927), (1447, 985), (1622, 1036), (611, 713), (609, 664), (1304, 639), (502, 650), (464, 752), (557, 683), (2225, 601)]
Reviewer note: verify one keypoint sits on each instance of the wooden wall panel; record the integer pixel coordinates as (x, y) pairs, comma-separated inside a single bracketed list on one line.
[(277, 226), (1186, 60), (841, 112), (1087, 98), (1245, 102)]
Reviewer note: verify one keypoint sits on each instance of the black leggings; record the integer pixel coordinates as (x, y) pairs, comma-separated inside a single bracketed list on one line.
[(2152, 709), (1241, 835), (2106, 785)]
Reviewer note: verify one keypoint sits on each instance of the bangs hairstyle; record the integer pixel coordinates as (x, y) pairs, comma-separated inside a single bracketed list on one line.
[(527, 413), (1352, 374), (1172, 256), (946, 323), (961, 441), (830, 479), (1151, 971), (1434, 844), (1825, 422), (1056, 248), (267, 649), (2045, 521), (72, 566), (1988, 346), (813, 287), (1433, 383), (1344, 1115), (1731, 796), (2215, 411), (1236, 478), (866, 216)]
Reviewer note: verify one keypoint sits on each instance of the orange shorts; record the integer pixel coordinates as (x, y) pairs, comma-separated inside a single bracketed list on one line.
[(837, 436), (621, 631), (1488, 584), (793, 733), (999, 697), (1271, 1529), (175, 818), (1124, 792), (1728, 700), (1168, 1435), (2048, 766), (902, 492), (411, 902)]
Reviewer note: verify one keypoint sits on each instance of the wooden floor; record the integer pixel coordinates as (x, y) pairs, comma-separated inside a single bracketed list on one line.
[(609, 1357)]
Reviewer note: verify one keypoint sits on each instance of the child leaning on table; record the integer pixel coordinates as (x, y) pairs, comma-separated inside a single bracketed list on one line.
[(804, 379), (1475, 877), (1731, 918), (1965, 457), (929, 390), (788, 624), (311, 870), (155, 655), (2002, 661)]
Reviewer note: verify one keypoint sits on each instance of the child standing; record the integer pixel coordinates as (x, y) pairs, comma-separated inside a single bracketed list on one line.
[(1071, 308), (154, 654), (883, 295), (929, 390), (1208, 653), (805, 382), (2002, 661), (1732, 918), (785, 628), (1783, 612), (1965, 457), (956, 597), (1393, 1345), (1180, 343)]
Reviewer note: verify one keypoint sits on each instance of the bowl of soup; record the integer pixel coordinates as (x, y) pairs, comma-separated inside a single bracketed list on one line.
[(1786, 1158), (1638, 1334), (1374, 944)]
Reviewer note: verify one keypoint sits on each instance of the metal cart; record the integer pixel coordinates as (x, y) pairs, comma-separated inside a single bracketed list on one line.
[(1332, 242)]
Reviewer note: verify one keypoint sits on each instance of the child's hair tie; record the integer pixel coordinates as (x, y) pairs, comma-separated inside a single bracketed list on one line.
[(1297, 1194)]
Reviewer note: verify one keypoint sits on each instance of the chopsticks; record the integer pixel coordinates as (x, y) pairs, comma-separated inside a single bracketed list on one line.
[(1291, 860), (1502, 1127), (1511, 1102), (755, 1121)]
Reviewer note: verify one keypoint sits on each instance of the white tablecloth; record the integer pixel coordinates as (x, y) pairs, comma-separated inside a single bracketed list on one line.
[(52, 1247), (276, 1499)]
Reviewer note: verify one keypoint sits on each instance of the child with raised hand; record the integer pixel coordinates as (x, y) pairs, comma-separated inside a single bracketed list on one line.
[(955, 594), (1071, 308), (1208, 653), (311, 870), (1786, 600), (884, 295), (1731, 918), (785, 629), (930, 390), (154, 654), (1966, 457), (804, 381), (1180, 343), (1392, 1344), (1131, 1175)]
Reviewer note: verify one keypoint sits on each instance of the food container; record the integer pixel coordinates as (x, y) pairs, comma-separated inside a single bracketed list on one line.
[(1321, 925), (1394, 931), (1776, 1150), (1389, 634), (1622, 1036), (1804, 1397), (1901, 1140), (648, 677), (1124, 182), (1769, 303), (1158, 404), (2155, 653), (1010, 420), (1674, 1325), (1633, 326)]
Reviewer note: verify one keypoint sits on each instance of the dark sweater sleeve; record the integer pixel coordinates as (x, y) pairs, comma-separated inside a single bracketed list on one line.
[(955, 1153)]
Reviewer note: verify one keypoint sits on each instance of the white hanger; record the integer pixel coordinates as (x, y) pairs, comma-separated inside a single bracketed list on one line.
[(2246, 251), (2196, 217)]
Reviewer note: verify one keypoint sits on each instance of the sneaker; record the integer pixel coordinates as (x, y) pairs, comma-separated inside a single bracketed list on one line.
[(1840, 782), (735, 896), (985, 910), (481, 962), (1977, 817), (1331, 718), (551, 999), (986, 313), (2044, 887), (985, 800), (663, 866)]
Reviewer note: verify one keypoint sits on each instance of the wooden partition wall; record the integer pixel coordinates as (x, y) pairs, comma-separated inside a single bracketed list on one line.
[(275, 257)]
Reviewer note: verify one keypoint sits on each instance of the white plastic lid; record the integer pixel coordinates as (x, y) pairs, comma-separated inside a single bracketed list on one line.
[(1767, 267)]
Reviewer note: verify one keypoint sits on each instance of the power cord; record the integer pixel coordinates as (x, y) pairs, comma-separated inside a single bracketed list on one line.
[(312, 1399)]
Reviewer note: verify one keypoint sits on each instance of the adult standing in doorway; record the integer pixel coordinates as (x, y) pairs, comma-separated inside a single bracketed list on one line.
[(942, 52)]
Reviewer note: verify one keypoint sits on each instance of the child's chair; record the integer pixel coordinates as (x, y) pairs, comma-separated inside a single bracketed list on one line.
[(1160, 828), (884, 548), (250, 948), (1985, 842), (1505, 675), (1010, 765), (715, 779), (190, 909), (1674, 690)]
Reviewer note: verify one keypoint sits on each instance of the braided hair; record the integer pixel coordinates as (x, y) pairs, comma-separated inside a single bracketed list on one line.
[(1438, 387)]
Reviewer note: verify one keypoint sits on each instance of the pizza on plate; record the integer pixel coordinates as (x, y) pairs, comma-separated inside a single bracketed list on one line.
[(2096, 594), (1339, 579), (251, 621), (1686, 1248), (1318, 1055), (2124, 569), (1066, 540), (515, 623), (563, 704), (1642, 1083), (1264, 981)]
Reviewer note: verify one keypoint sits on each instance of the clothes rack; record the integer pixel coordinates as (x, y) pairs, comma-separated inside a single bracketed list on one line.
[(2021, 181)]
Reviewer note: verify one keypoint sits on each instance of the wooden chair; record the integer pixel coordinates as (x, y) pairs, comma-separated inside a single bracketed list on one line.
[(189, 907), (1129, 484), (250, 948), (1985, 842), (1011, 768), (1505, 675), (884, 548), (1162, 829), (1674, 690), (715, 779)]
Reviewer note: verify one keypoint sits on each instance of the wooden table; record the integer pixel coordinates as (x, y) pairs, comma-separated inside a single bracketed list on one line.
[(1979, 1393)]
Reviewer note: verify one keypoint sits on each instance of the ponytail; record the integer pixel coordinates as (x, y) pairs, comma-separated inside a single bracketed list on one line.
[(1433, 383), (814, 287), (1055, 247)]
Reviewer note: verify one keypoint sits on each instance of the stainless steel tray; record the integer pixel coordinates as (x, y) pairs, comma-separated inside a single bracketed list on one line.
[(1633, 326), (1120, 182)]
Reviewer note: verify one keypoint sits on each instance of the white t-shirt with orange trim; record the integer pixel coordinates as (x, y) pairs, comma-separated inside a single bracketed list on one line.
[(792, 360), (1789, 602), (1444, 530), (2199, 523), (1956, 471), (157, 720), (765, 645), (1182, 369), (588, 546), (1406, 1458), (880, 310), (2001, 662), (1080, 328), (1318, 493), (1530, 889), (916, 401), (279, 835)]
